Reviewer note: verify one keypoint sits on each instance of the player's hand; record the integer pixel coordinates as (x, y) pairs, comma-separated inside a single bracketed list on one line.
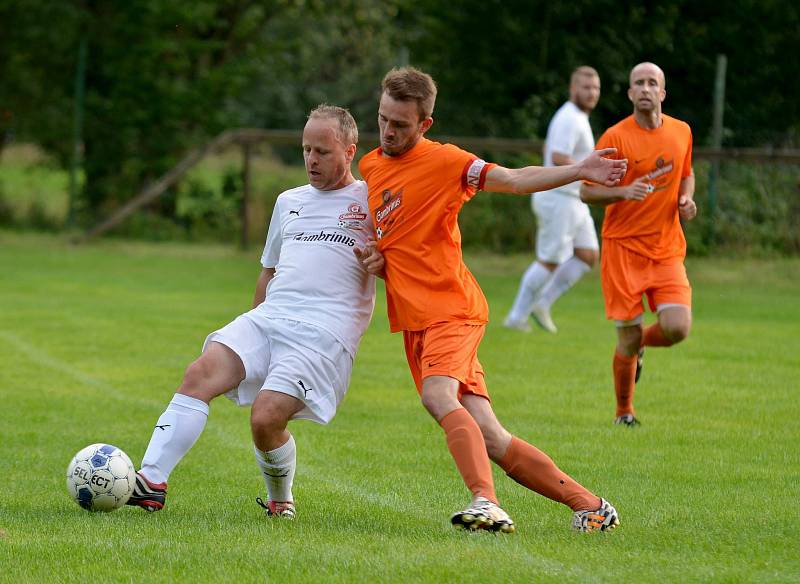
[(638, 189), (687, 209), (371, 259), (601, 170)]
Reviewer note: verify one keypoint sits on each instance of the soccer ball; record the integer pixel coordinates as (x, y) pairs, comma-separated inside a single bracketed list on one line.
[(101, 477)]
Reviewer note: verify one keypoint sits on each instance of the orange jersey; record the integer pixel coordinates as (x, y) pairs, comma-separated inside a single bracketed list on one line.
[(651, 227), (414, 199)]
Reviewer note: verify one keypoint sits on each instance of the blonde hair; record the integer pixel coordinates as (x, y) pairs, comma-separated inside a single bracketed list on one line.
[(347, 130), (583, 71), (410, 84)]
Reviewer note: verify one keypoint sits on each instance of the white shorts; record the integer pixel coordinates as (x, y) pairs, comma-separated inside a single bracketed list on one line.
[(289, 357), (563, 224)]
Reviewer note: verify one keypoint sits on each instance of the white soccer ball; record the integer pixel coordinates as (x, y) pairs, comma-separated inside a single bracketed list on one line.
[(101, 477)]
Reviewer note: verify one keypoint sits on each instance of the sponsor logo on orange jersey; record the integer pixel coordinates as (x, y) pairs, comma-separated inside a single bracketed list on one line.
[(662, 167), (391, 203)]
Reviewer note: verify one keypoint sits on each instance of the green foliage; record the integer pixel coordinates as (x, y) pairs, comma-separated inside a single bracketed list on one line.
[(503, 67), (95, 339), (159, 76), (164, 77), (334, 55), (207, 211), (757, 211)]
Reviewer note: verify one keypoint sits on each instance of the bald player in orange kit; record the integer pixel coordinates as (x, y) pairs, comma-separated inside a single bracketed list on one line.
[(643, 242), (416, 190)]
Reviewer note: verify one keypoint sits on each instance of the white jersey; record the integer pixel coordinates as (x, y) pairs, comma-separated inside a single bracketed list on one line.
[(318, 279), (569, 133)]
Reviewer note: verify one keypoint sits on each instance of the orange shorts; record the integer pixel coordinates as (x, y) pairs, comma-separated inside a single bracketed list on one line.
[(449, 349), (626, 276)]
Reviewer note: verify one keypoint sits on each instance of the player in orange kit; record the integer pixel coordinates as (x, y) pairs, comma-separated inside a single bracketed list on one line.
[(643, 242), (416, 190)]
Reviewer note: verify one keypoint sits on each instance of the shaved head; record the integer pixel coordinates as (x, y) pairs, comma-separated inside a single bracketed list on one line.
[(648, 68), (646, 93)]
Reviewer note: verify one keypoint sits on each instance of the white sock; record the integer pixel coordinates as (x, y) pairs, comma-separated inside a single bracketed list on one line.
[(564, 276), (177, 430), (532, 280), (278, 466)]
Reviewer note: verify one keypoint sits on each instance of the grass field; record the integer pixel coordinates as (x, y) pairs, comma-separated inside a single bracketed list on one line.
[(94, 340)]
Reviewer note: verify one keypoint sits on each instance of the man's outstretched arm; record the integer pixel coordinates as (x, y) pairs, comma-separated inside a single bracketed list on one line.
[(531, 179)]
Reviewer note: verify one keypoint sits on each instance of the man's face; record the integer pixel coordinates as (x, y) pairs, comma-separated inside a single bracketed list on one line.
[(647, 88), (399, 125), (586, 92), (327, 159)]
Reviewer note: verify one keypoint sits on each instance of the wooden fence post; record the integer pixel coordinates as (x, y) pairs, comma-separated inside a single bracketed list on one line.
[(246, 155), (716, 143)]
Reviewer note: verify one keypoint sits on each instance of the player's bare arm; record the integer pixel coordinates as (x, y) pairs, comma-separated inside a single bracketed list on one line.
[(686, 205), (596, 167), (602, 195), (261, 285), (561, 159)]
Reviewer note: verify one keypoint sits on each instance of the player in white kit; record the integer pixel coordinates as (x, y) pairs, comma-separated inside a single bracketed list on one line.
[(566, 239), (292, 354)]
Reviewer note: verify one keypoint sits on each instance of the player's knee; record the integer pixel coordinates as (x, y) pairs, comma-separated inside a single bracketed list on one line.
[(266, 421), (195, 380), (432, 403), (439, 397), (677, 332), (628, 344)]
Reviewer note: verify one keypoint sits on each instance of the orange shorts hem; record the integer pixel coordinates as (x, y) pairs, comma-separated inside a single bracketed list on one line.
[(449, 349)]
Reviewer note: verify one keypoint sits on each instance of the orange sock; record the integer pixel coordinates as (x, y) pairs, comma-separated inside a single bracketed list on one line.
[(465, 441), (654, 337), (533, 469), (624, 374)]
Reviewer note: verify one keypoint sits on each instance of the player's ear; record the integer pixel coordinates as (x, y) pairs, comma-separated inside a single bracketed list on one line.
[(350, 152), (630, 94), (426, 124)]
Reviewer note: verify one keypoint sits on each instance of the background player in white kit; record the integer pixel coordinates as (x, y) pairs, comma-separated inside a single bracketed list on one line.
[(292, 354), (566, 240)]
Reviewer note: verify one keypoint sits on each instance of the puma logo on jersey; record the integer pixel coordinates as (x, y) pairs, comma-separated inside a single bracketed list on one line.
[(163, 426), (297, 212), (303, 387)]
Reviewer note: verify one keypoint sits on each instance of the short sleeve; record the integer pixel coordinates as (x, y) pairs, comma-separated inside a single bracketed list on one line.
[(473, 177), (607, 141), (562, 135), (272, 249)]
